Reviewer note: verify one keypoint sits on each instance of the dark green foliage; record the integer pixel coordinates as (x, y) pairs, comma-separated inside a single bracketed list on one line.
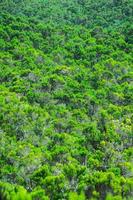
[(66, 99)]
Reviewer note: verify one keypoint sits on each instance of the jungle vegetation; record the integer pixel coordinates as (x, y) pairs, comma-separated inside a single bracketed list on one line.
[(66, 99)]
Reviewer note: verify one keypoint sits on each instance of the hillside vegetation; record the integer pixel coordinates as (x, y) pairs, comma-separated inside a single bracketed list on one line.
[(66, 99)]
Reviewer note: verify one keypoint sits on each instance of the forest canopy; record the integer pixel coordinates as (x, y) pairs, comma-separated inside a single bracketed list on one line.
[(66, 99)]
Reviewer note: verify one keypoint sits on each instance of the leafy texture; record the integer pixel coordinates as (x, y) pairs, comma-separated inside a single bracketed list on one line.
[(66, 99)]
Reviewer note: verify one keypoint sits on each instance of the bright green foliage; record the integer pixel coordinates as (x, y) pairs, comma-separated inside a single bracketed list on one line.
[(75, 196), (11, 192), (66, 99)]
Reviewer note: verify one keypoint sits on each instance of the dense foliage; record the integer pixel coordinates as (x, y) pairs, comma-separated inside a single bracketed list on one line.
[(66, 99)]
